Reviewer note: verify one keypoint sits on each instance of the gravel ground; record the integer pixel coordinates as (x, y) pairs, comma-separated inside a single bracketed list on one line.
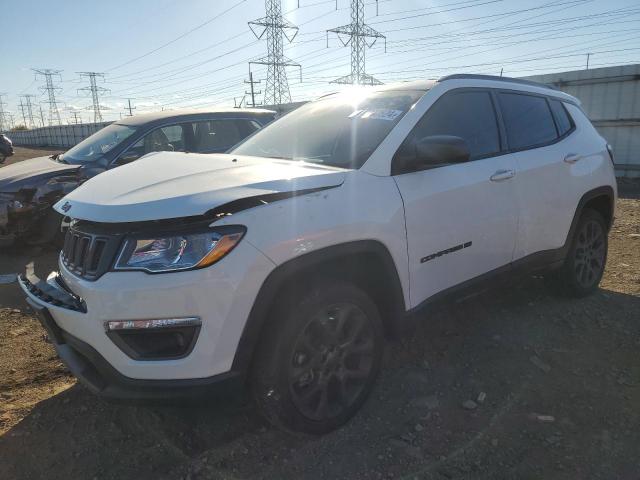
[(513, 383)]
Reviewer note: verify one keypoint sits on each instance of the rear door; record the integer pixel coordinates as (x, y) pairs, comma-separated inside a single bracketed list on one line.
[(461, 219), (538, 131)]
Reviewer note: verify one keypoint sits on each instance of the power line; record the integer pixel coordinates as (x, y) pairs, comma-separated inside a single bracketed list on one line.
[(180, 37), (358, 33), (50, 89), (276, 28), (95, 91)]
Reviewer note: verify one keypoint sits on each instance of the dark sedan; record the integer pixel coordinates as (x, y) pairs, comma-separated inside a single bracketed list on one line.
[(28, 189)]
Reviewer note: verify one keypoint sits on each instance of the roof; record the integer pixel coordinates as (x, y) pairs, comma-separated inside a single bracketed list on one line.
[(187, 114)]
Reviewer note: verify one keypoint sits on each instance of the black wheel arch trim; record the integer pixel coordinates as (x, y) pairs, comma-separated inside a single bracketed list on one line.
[(278, 277), (603, 191)]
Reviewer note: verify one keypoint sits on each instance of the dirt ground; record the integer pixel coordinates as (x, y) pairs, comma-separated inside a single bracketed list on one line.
[(26, 153), (560, 377)]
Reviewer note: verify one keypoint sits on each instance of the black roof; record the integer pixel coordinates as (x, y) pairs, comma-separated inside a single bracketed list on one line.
[(186, 114)]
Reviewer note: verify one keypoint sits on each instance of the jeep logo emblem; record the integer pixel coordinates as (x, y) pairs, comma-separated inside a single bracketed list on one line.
[(66, 207)]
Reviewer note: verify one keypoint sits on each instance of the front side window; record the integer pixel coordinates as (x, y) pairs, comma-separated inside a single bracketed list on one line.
[(469, 115), (340, 131), (166, 139), (527, 119), (98, 144)]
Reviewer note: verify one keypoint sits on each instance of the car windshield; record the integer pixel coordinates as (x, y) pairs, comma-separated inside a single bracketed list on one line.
[(340, 131), (98, 144)]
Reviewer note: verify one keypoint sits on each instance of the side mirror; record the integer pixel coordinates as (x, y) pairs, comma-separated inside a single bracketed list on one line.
[(440, 150), (128, 157)]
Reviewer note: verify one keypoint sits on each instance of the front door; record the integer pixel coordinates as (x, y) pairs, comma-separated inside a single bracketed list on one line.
[(461, 219)]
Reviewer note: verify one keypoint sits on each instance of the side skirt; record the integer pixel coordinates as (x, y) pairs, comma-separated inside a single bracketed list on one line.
[(544, 261)]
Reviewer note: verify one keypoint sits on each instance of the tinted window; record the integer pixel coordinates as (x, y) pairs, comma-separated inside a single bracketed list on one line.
[(527, 119), (469, 115), (563, 122), (220, 135)]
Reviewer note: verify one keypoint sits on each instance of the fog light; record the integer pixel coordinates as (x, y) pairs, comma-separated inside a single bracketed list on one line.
[(158, 339)]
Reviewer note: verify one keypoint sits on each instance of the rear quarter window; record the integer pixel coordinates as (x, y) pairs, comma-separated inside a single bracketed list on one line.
[(527, 119), (561, 116)]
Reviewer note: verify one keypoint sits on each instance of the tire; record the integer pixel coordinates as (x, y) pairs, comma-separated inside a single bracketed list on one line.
[(584, 264), (320, 358)]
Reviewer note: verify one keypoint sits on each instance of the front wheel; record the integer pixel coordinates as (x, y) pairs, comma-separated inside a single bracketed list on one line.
[(320, 358), (584, 265)]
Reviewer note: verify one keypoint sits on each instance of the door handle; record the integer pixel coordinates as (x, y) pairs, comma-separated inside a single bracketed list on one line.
[(572, 158), (502, 175)]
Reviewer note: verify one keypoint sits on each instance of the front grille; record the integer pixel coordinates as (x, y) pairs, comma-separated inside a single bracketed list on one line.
[(88, 253)]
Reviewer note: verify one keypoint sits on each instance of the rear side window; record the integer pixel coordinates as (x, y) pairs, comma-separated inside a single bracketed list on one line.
[(222, 134), (527, 119), (469, 115), (563, 121)]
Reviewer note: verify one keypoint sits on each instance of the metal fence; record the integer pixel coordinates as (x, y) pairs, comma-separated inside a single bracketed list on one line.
[(63, 136)]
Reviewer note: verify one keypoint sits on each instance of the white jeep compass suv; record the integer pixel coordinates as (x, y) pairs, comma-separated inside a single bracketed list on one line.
[(284, 264)]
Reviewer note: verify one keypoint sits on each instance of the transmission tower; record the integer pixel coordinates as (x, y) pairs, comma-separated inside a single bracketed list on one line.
[(4, 122), (361, 36), (50, 89), (28, 106), (276, 28), (95, 91)]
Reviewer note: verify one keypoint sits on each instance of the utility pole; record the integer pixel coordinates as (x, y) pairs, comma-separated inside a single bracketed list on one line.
[(253, 93), (237, 104), (29, 109), (50, 89), (4, 123), (76, 117), (588, 55), (358, 34), (276, 28), (95, 91), (130, 108)]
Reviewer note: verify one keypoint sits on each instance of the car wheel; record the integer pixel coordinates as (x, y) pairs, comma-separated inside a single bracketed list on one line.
[(319, 359), (586, 259)]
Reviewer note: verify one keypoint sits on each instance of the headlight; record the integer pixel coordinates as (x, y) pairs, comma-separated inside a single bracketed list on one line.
[(157, 254)]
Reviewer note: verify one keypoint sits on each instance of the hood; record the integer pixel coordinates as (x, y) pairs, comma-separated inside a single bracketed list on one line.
[(30, 173), (167, 185)]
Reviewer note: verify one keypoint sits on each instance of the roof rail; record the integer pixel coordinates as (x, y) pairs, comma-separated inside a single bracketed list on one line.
[(473, 76)]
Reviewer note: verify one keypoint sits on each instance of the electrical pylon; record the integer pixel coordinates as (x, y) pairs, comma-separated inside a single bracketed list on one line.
[(28, 105), (50, 89), (4, 123), (359, 34), (95, 92), (276, 28)]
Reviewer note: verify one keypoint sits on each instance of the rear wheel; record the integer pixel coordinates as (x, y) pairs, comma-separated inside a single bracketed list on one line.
[(320, 358), (584, 265)]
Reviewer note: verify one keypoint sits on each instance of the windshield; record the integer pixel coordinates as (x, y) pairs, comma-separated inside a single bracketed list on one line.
[(98, 144), (340, 131)]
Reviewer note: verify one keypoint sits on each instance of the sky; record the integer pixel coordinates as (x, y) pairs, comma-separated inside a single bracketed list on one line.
[(166, 54)]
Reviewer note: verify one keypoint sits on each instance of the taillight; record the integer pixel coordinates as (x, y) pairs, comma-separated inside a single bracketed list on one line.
[(610, 150)]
